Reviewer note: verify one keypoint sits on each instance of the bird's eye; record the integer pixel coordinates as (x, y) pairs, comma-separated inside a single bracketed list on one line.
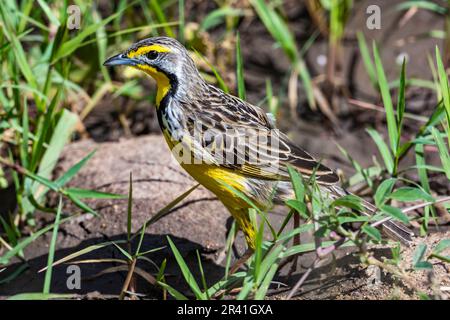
[(152, 55)]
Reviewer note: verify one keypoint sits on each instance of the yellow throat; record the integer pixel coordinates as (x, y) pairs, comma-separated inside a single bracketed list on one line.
[(162, 82)]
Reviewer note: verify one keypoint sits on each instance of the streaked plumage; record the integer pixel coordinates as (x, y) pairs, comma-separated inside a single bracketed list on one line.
[(186, 105)]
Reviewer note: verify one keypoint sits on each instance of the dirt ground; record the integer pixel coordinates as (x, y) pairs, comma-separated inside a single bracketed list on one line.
[(200, 222)]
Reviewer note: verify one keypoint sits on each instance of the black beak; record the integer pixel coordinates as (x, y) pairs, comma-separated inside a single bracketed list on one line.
[(119, 60)]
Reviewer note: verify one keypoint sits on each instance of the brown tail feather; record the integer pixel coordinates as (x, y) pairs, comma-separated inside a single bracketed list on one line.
[(394, 229)]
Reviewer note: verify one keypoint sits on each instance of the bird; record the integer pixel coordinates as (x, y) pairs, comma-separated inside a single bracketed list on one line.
[(226, 143)]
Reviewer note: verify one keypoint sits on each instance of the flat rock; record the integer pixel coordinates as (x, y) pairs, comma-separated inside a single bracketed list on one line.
[(157, 180), (198, 223)]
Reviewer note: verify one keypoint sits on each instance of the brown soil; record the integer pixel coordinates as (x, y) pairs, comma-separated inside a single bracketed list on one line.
[(199, 223)]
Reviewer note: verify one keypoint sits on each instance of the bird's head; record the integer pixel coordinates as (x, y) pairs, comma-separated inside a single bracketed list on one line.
[(163, 58)]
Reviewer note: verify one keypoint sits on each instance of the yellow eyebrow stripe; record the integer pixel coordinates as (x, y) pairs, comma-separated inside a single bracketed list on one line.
[(144, 50)]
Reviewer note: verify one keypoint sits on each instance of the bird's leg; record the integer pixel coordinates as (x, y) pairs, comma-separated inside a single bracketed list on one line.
[(240, 262), (230, 236), (247, 254), (296, 241), (247, 227)]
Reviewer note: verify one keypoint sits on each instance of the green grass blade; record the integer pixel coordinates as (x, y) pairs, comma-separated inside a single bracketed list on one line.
[(123, 251), (396, 213), (17, 272), (51, 250), (202, 275), (387, 101), (406, 194), (27, 241), (69, 174), (220, 80), (83, 252), (246, 289), (443, 151), (130, 208), (73, 44), (80, 204), (186, 272), (423, 178), (254, 206), (102, 43), (271, 258), (260, 294), (229, 247), (258, 250), (176, 294), (383, 149), (383, 191), (309, 247), (41, 180), (25, 134), (418, 256), (10, 232), (288, 235), (372, 232), (61, 134), (48, 12), (92, 194), (43, 130), (216, 17), (444, 88), (441, 246), (281, 33), (297, 183), (42, 296), (19, 53), (427, 5), (161, 17), (271, 100), (24, 12), (401, 104)]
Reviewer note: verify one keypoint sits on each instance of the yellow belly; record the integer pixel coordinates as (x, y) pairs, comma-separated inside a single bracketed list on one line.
[(216, 179)]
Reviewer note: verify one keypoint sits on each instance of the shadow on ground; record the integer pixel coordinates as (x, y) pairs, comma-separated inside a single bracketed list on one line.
[(110, 284), (338, 277)]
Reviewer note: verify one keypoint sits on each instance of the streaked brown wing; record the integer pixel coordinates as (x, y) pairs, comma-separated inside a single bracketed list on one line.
[(241, 137), (307, 165)]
